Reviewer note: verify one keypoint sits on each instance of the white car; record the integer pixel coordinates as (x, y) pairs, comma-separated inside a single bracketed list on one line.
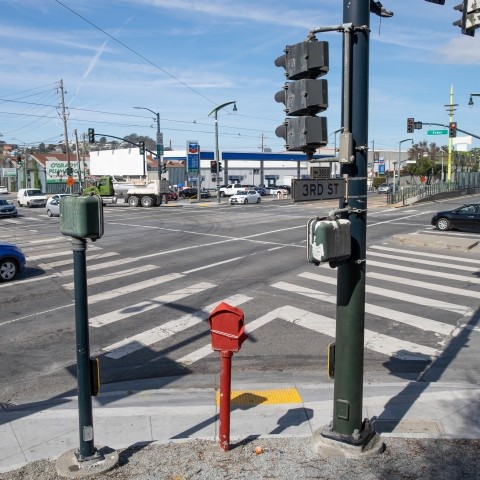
[(245, 196), (57, 196), (3, 189), (31, 197)]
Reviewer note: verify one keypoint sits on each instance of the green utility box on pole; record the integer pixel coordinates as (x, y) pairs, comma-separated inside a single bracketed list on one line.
[(81, 217), (328, 240)]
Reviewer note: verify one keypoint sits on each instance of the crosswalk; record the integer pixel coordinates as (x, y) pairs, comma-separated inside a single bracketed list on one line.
[(414, 303)]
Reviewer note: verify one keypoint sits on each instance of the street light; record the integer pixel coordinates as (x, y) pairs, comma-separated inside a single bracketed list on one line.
[(399, 162), (470, 102), (159, 141), (217, 153)]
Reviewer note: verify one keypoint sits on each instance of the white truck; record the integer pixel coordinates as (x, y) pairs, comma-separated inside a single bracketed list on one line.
[(148, 194), (231, 189)]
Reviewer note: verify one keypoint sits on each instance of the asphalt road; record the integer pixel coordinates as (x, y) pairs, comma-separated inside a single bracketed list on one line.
[(157, 273)]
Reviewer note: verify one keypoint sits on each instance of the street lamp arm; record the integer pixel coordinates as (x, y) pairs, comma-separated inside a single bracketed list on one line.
[(216, 109), (145, 108)]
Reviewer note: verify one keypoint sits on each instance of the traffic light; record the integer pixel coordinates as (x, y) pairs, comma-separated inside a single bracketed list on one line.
[(91, 135), (305, 97), (410, 125), (219, 167), (213, 166), (452, 129), (69, 171), (141, 146), (19, 161), (470, 20)]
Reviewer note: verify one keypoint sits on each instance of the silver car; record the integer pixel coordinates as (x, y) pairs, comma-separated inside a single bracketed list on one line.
[(385, 188), (53, 207)]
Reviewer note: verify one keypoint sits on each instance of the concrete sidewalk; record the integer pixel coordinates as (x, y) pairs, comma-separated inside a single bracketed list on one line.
[(266, 405)]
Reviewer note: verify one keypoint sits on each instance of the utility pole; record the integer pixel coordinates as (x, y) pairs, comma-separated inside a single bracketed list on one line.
[(78, 160), (64, 118)]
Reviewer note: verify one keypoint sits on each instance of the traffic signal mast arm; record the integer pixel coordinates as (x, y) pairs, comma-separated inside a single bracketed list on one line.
[(447, 126), (128, 141)]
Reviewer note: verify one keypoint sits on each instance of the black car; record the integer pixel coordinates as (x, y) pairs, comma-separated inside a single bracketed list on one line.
[(466, 217), (193, 193)]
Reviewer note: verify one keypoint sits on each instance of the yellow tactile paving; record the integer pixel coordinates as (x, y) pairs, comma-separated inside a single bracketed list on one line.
[(262, 397)]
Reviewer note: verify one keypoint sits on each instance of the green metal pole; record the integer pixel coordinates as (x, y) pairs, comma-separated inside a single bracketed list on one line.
[(350, 319), (85, 414)]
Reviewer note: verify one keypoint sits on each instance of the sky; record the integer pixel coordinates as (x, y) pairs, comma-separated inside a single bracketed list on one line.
[(184, 58)]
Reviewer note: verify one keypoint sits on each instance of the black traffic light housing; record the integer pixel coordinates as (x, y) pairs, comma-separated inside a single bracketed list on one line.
[(91, 135), (470, 20), (452, 129), (213, 166), (141, 147), (19, 161), (305, 97), (410, 125), (219, 166)]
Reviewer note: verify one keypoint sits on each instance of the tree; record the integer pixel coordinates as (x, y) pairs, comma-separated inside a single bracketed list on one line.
[(428, 161), (149, 142)]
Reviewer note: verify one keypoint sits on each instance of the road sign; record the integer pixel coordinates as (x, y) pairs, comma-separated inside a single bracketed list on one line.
[(318, 189), (320, 172), (437, 132), (70, 181)]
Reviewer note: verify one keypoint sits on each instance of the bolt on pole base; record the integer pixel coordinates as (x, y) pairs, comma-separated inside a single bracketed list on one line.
[(69, 466), (327, 442)]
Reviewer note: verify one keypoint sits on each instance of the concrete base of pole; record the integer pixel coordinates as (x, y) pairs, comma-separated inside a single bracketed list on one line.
[(68, 465), (338, 445)]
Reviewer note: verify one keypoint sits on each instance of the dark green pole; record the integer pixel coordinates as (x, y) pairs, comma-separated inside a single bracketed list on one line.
[(85, 415), (350, 315)]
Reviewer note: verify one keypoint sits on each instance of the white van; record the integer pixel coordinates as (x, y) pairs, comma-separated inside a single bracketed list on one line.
[(31, 197)]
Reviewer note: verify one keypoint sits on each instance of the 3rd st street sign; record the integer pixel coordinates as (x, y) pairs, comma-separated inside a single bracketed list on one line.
[(318, 189)]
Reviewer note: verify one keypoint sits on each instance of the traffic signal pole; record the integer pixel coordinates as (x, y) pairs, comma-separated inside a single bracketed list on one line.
[(350, 315), (347, 427)]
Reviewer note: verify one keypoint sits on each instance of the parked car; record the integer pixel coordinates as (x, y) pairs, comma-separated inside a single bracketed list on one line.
[(245, 196), (57, 196), (12, 261), (31, 197), (385, 188), (3, 189), (53, 208), (288, 188), (193, 193), (466, 217), (262, 191), (7, 208), (171, 195)]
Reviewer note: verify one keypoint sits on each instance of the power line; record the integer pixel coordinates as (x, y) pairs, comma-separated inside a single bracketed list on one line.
[(136, 53)]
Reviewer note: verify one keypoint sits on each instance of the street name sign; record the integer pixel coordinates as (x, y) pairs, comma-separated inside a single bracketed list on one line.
[(437, 132), (320, 172), (318, 189)]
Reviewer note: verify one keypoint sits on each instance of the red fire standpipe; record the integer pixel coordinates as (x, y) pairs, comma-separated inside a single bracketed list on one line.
[(225, 392)]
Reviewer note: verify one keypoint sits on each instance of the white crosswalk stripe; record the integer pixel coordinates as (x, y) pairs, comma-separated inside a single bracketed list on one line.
[(384, 292), (149, 337), (142, 307)]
